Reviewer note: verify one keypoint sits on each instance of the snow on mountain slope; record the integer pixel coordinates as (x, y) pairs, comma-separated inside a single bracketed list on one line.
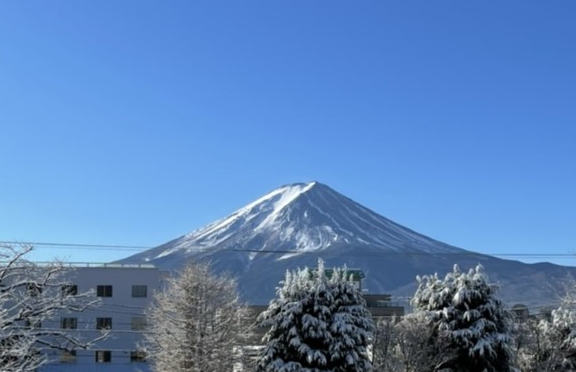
[(296, 224), (299, 218)]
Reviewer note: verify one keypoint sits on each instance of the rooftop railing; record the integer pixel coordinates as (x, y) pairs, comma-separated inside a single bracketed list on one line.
[(102, 265)]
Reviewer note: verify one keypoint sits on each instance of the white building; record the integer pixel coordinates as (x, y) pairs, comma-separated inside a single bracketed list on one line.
[(125, 291)]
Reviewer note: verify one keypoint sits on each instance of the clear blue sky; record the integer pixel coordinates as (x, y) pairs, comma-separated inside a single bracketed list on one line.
[(134, 122)]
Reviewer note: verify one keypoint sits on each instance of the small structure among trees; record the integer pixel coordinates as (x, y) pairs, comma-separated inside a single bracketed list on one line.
[(317, 323)]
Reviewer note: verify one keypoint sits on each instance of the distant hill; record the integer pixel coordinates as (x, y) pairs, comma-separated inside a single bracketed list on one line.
[(296, 224)]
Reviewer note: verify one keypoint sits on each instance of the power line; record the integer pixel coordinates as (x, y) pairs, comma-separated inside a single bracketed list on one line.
[(404, 253), (358, 253), (78, 245)]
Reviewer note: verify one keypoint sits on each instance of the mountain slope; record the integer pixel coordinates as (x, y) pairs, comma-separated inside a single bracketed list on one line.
[(296, 224)]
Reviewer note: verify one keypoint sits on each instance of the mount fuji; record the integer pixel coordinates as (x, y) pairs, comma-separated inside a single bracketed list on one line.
[(296, 224)]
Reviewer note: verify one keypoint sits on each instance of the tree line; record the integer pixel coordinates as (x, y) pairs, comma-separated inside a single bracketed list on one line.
[(459, 324), (317, 322)]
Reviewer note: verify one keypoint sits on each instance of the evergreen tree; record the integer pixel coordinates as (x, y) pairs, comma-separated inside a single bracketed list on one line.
[(316, 324), (352, 327), (472, 326), (297, 339)]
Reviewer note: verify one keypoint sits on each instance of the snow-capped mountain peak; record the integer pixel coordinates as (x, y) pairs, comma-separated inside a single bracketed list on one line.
[(259, 214), (300, 218), (274, 202), (294, 225)]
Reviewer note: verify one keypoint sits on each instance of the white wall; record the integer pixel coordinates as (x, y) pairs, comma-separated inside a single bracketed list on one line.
[(121, 307)]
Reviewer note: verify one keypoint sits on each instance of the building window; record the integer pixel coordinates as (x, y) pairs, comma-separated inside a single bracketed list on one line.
[(139, 291), (103, 356), (69, 290), (137, 356), (33, 289), (68, 323), (104, 291), (103, 323), (68, 356), (138, 323), (32, 323)]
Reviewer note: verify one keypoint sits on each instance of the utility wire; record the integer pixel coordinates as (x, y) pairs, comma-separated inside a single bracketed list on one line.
[(46, 245), (359, 253)]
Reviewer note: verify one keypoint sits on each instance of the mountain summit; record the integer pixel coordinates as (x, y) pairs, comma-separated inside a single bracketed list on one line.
[(300, 218), (294, 225)]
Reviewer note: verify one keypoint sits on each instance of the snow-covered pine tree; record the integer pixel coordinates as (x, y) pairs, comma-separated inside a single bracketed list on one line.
[(298, 337), (473, 326), (316, 324), (352, 326)]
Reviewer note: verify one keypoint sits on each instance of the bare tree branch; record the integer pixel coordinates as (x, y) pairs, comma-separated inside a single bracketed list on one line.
[(195, 322), (31, 294)]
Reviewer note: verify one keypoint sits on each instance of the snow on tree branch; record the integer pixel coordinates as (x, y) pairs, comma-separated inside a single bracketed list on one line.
[(195, 322), (31, 294)]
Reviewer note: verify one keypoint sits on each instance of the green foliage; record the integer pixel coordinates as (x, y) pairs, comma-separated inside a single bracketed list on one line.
[(316, 324)]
